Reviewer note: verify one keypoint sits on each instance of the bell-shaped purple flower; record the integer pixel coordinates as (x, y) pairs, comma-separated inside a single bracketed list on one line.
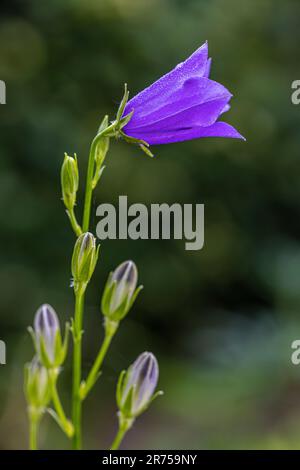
[(137, 385), (182, 105)]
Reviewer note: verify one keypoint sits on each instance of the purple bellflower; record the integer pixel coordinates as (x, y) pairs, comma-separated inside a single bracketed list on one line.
[(184, 104)]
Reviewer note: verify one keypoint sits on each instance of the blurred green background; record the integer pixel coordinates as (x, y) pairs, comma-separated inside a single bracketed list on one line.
[(221, 320)]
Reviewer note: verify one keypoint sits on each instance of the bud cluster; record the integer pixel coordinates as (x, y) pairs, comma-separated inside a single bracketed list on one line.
[(136, 386)]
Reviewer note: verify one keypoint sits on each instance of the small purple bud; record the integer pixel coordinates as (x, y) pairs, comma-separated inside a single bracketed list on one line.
[(120, 291), (126, 277), (140, 382), (46, 327)]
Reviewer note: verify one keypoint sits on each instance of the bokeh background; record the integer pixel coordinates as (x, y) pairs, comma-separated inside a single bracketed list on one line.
[(221, 321)]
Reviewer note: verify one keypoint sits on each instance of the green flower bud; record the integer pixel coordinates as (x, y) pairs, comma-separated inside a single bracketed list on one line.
[(136, 386), (50, 348), (84, 259), (101, 151), (69, 180), (120, 291), (103, 143), (36, 385)]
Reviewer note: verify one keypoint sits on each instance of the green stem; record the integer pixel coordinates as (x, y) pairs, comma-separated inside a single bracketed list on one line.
[(65, 424), (89, 188), (110, 330), (75, 226), (79, 298), (33, 427), (77, 335), (34, 416), (124, 426), (90, 176)]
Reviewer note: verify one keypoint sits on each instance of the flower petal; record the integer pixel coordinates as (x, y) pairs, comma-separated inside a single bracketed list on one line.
[(154, 95), (207, 68), (194, 91), (218, 129), (203, 115)]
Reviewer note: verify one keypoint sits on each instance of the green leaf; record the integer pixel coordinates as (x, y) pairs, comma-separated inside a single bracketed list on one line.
[(120, 387), (127, 405), (123, 103), (146, 150), (135, 294), (103, 125), (44, 357)]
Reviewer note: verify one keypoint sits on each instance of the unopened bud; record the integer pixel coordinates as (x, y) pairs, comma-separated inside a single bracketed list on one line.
[(137, 385), (50, 348), (120, 291), (69, 180), (36, 385), (84, 259), (103, 143)]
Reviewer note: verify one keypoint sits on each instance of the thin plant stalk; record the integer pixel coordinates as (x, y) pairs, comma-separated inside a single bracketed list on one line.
[(79, 301), (63, 421), (34, 415), (89, 188), (90, 176), (124, 426), (110, 330), (74, 224), (76, 400), (33, 432)]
